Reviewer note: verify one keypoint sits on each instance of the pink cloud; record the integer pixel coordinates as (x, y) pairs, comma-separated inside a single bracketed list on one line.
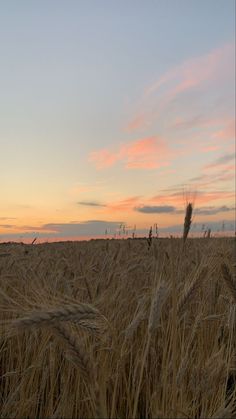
[(217, 132), (206, 180), (226, 177), (175, 199), (181, 87), (198, 121), (103, 158), (200, 197), (227, 132), (126, 204), (214, 67), (146, 153), (195, 71), (221, 163), (210, 148), (138, 122)]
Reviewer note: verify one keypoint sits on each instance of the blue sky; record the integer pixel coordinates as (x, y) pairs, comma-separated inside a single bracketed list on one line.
[(114, 103)]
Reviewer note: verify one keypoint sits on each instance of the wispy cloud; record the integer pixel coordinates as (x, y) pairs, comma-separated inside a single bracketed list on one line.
[(91, 204), (206, 71), (217, 128), (227, 132), (210, 148), (165, 209), (7, 218), (138, 123), (178, 198), (86, 228), (194, 72), (221, 161), (225, 173), (125, 205), (173, 201), (104, 158), (90, 228), (162, 209), (146, 153), (213, 210)]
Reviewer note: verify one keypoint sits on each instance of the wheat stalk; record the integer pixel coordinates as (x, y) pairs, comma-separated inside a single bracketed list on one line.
[(157, 304), (187, 220), (229, 280), (191, 291), (185, 361), (141, 315), (224, 413), (138, 318)]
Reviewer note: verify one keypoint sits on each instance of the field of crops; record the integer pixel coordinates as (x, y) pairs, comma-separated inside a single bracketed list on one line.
[(118, 329)]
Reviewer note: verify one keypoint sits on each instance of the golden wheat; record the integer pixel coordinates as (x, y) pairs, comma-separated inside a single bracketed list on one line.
[(149, 333)]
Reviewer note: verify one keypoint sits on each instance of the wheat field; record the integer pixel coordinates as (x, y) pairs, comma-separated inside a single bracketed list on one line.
[(118, 329)]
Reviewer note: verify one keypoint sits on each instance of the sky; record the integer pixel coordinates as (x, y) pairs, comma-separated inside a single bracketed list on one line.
[(116, 113)]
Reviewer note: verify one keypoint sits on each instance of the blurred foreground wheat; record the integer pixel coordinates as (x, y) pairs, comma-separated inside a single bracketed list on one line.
[(118, 329)]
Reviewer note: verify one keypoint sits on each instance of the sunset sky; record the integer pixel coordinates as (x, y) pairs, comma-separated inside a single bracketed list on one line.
[(115, 112)]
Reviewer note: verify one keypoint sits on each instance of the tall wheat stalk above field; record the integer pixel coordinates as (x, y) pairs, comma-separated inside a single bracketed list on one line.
[(187, 220)]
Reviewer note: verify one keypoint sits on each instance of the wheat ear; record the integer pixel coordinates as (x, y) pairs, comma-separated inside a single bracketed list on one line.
[(75, 350), (77, 354), (74, 312), (187, 221)]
